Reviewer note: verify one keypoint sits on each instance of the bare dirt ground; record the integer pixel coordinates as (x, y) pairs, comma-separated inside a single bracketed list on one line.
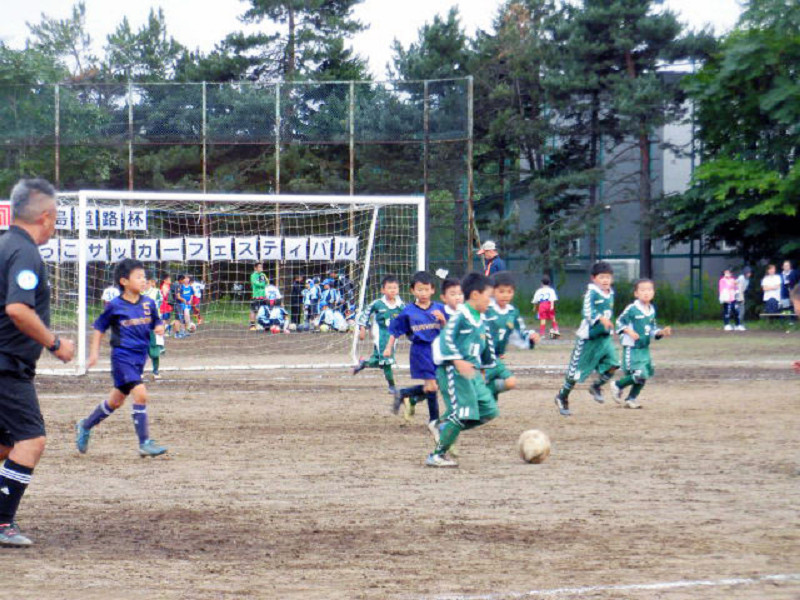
[(301, 484)]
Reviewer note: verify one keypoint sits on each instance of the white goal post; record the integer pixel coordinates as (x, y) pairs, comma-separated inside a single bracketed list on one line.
[(350, 242)]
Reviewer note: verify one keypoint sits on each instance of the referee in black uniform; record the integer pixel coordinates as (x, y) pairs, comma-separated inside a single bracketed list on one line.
[(24, 331)]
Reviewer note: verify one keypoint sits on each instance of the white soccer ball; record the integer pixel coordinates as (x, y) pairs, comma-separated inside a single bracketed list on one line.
[(191, 327), (292, 327), (534, 446), (324, 328)]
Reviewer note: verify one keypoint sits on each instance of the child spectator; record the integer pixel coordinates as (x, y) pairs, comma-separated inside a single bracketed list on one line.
[(330, 295), (636, 327), (272, 292), (461, 351), (165, 308), (311, 300), (183, 314), (131, 318), (727, 298), (198, 287), (379, 315), (544, 300), (332, 318), (742, 283), (771, 285), (156, 340), (594, 350), (789, 278), (272, 315), (421, 321)]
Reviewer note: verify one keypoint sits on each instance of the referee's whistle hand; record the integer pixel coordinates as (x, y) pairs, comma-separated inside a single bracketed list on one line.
[(66, 352)]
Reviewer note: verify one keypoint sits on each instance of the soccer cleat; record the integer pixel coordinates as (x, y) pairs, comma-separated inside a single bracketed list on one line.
[(408, 409), (82, 436), (433, 427), (439, 460), (151, 448), (728, 327), (616, 391), (741, 328), (632, 404), (392, 390), (362, 364), (398, 402), (563, 406), (156, 375), (252, 328), (11, 536), (555, 334), (596, 393)]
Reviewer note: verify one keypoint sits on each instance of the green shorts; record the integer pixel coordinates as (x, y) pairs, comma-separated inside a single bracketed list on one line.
[(378, 359), (637, 362), (499, 371), (597, 354), (467, 399)]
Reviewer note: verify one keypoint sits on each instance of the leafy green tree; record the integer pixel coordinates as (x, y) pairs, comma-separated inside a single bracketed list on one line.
[(747, 97), (66, 41)]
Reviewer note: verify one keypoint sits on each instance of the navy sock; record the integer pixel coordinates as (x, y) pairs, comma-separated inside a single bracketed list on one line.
[(412, 392), (14, 480), (100, 413), (433, 406), (140, 423)]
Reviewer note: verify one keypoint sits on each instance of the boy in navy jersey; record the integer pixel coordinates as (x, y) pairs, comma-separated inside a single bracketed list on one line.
[(421, 322), (131, 318)]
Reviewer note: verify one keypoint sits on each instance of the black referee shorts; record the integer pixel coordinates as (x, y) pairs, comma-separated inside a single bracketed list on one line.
[(20, 416)]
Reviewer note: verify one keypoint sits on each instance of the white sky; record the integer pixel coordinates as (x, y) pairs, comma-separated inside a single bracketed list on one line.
[(202, 23)]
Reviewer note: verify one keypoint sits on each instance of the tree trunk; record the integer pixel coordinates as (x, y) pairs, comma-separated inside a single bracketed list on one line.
[(291, 58)]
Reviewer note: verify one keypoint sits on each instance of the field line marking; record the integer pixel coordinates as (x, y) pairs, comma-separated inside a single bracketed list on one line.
[(665, 585)]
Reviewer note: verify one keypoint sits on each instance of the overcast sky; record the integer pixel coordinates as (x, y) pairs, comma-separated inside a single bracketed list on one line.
[(202, 23)]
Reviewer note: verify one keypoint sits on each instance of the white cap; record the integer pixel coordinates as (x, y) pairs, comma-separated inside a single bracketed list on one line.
[(490, 245)]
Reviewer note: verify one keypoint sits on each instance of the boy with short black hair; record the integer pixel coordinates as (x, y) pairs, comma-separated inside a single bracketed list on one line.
[(504, 322), (594, 349), (421, 321), (544, 299), (451, 296), (380, 314), (131, 318), (461, 351), (183, 312), (636, 326)]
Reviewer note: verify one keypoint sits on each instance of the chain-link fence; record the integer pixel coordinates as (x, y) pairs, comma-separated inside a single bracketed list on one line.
[(345, 137)]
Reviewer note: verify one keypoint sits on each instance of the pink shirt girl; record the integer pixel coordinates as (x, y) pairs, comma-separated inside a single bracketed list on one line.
[(727, 289)]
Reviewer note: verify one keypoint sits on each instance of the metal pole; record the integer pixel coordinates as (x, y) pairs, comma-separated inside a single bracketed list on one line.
[(365, 278), (82, 282), (470, 182), (205, 141), (426, 139), (57, 165), (277, 171), (352, 136), (130, 135)]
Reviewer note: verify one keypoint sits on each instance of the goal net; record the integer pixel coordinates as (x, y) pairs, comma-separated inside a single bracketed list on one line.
[(317, 253)]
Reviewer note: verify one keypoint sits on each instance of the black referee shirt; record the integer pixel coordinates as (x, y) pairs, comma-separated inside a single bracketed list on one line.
[(23, 279)]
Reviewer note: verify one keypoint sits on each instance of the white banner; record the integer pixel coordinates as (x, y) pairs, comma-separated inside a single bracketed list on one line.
[(121, 249), (171, 249), (197, 249), (146, 250), (320, 248), (271, 247), (110, 218), (246, 247), (91, 219), (68, 251), (135, 219), (345, 248), (97, 250), (296, 248), (49, 251), (221, 248), (64, 217)]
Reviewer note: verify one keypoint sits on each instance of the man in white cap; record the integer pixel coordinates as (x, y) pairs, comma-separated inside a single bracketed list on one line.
[(492, 259)]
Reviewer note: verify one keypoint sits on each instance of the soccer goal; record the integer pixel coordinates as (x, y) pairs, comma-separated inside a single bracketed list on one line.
[(346, 243)]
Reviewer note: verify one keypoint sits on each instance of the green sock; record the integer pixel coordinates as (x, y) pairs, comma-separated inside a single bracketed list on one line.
[(387, 373), (155, 360), (372, 361), (603, 379), (563, 393), (637, 387), (448, 434), (625, 381)]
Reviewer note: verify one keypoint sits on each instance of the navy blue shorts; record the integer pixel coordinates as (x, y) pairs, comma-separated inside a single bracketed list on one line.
[(421, 359), (127, 372), (20, 416)]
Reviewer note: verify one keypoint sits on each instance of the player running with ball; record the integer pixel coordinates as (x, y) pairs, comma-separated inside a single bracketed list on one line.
[(131, 317)]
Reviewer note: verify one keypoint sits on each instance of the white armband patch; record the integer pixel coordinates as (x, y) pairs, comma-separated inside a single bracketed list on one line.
[(27, 280)]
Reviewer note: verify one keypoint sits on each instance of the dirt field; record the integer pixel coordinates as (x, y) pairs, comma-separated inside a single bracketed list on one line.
[(293, 484)]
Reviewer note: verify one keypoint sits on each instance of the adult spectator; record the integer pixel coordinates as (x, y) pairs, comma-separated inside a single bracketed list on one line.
[(771, 285), (492, 261), (789, 279), (24, 330), (742, 283)]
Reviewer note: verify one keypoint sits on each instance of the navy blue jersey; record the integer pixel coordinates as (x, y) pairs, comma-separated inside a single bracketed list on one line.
[(130, 325), (417, 323)]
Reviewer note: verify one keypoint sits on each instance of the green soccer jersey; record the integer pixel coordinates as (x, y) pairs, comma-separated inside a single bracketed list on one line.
[(596, 304), (258, 281), (380, 313), (502, 323), (642, 319), (466, 337)]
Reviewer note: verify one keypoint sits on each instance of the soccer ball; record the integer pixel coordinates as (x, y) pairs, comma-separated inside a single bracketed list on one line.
[(274, 329), (534, 446), (292, 327), (191, 327), (324, 328)]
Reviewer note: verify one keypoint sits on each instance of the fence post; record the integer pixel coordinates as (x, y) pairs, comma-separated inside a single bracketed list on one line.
[(130, 135), (277, 171), (470, 181), (205, 141), (426, 140), (57, 108), (352, 144)]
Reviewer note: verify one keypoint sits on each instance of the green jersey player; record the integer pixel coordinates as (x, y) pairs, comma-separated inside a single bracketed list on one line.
[(380, 313), (636, 327), (460, 352), (504, 322), (594, 350)]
